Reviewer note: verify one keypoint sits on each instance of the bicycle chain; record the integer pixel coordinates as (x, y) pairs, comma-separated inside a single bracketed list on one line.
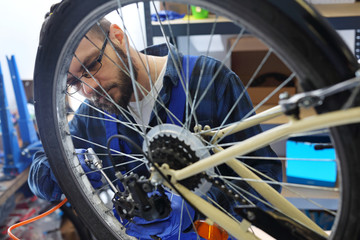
[(177, 154), (222, 187)]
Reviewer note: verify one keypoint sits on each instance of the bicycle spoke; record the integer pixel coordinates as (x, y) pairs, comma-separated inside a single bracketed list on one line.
[(109, 120), (104, 147), (184, 83), (257, 198), (277, 89), (128, 124), (118, 164), (240, 34), (264, 60), (132, 73), (286, 185), (178, 67), (192, 113), (148, 70)]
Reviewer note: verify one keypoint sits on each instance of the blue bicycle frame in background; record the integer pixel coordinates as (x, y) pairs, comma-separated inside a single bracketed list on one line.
[(16, 158)]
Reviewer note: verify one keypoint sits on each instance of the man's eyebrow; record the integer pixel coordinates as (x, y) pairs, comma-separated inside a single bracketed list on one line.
[(87, 61)]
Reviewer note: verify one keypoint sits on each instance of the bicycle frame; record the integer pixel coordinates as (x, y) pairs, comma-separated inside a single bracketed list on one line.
[(227, 156)]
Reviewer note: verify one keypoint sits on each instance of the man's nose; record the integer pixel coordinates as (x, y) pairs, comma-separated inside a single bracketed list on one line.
[(88, 87)]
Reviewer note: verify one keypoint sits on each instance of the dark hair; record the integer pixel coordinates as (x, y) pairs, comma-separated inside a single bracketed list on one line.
[(100, 29)]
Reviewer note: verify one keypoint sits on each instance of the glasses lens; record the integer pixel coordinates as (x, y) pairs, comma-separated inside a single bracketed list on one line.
[(92, 70), (72, 89), (73, 85)]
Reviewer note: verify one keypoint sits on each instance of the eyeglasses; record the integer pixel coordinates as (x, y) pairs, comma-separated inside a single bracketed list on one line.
[(89, 71)]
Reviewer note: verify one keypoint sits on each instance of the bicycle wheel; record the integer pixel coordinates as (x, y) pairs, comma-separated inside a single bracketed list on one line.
[(315, 56)]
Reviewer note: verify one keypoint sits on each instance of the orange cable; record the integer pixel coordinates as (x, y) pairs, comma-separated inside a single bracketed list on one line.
[(12, 236)]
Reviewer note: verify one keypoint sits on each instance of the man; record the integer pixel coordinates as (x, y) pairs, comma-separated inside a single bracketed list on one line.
[(103, 76)]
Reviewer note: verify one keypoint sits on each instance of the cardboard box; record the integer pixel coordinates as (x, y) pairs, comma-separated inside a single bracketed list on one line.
[(247, 55), (68, 230), (257, 94), (176, 7)]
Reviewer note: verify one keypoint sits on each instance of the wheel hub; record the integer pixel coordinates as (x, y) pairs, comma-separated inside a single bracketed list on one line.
[(178, 148)]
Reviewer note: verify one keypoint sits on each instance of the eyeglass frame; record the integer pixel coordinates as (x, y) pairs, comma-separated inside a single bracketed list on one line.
[(86, 72)]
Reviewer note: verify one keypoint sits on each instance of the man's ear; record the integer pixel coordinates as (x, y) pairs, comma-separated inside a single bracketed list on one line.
[(116, 34)]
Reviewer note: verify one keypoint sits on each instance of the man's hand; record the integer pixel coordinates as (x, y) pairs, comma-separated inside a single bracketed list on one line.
[(94, 176), (168, 228)]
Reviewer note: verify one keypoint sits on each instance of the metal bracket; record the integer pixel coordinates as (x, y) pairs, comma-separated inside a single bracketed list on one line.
[(316, 97)]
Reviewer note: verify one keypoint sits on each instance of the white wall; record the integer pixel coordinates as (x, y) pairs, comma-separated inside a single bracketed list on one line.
[(349, 38), (20, 23), (135, 25)]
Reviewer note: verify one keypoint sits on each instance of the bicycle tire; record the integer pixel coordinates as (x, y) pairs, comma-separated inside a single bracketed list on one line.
[(297, 38)]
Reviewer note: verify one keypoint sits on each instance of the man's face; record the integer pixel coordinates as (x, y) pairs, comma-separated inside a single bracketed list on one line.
[(109, 78)]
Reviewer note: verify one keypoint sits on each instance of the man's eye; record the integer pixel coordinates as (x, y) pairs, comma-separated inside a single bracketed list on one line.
[(92, 69), (92, 66), (73, 82), (86, 74)]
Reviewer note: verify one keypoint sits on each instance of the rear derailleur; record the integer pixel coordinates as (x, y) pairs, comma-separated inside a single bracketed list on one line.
[(142, 199)]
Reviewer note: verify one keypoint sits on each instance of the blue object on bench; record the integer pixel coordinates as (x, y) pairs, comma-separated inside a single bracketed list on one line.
[(319, 170), (166, 15)]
